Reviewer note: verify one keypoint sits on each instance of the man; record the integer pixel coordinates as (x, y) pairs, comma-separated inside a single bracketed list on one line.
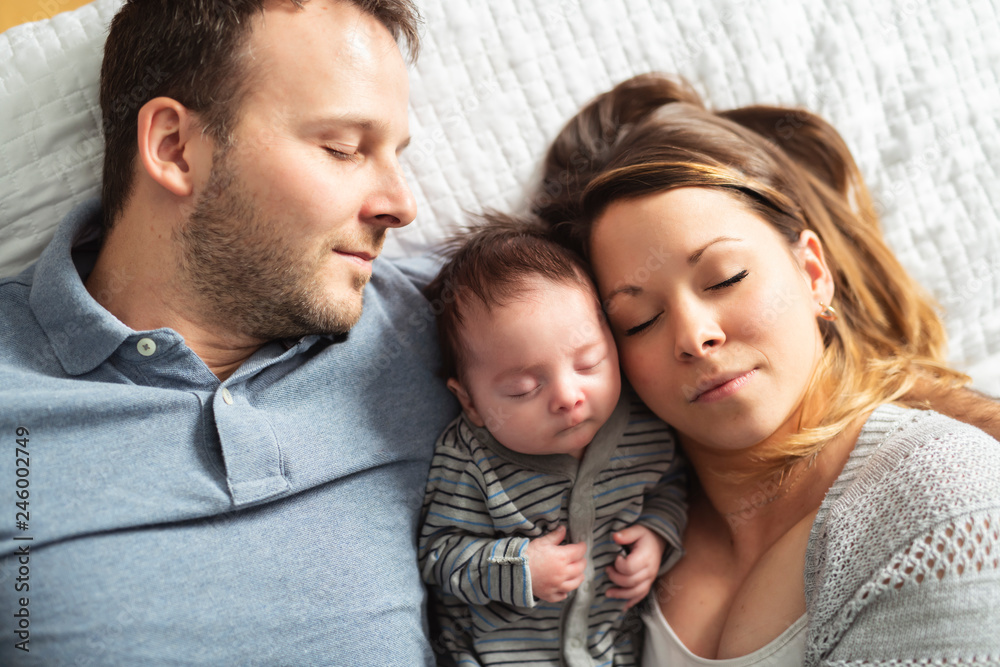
[(216, 458), (206, 462)]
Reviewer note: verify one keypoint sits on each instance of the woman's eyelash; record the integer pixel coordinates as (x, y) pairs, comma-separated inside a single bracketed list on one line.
[(640, 327), (732, 281)]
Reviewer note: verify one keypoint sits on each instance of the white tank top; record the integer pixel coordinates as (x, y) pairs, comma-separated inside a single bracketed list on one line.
[(663, 648)]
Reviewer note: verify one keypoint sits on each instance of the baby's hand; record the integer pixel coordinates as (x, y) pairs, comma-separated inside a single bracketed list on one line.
[(556, 569), (634, 574)]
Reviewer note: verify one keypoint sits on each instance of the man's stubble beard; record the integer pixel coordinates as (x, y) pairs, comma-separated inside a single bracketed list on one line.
[(247, 280)]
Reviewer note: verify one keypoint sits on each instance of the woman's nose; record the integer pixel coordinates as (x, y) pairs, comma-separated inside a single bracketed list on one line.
[(697, 331)]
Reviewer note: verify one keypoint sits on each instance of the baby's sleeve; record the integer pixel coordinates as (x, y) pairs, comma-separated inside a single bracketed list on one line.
[(665, 508), (459, 552)]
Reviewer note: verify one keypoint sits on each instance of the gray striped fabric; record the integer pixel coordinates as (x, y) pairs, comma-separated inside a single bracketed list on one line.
[(485, 501)]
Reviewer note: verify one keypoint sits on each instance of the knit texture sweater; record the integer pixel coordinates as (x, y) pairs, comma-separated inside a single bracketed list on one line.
[(903, 562), (484, 502)]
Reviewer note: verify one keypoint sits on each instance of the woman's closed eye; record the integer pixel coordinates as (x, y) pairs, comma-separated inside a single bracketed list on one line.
[(731, 281), (639, 328)]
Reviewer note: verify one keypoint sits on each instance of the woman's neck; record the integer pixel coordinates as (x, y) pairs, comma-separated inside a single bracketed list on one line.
[(759, 510)]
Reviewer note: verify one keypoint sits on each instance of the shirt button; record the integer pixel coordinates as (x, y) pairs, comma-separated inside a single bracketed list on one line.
[(226, 396), (146, 346)]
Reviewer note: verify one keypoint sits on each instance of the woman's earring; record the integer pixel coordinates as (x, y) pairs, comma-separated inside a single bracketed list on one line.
[(828, 313)]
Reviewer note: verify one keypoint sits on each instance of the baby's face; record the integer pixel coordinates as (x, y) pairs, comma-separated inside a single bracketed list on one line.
[(541, 372)]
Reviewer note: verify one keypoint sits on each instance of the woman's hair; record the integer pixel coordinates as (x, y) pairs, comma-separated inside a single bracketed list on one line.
[(652, 133), (488, 265)]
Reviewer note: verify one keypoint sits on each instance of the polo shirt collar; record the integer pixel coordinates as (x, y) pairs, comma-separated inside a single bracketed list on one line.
[(82, 333)]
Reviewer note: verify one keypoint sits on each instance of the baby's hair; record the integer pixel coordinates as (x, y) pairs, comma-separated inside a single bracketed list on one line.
[(488, 265)]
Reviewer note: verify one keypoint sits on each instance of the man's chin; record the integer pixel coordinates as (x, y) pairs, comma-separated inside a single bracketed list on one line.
[(339, 315), (331, 317)]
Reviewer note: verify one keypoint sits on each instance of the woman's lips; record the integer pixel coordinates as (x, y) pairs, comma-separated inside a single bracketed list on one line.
[(720, 389)]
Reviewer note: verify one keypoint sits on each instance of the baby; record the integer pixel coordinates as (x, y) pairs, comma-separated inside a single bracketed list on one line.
[(548, 450)]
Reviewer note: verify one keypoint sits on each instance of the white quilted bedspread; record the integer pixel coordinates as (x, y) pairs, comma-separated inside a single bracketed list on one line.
[(914, 87)]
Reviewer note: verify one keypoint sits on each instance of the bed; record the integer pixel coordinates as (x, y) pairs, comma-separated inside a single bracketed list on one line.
[(914, 87)]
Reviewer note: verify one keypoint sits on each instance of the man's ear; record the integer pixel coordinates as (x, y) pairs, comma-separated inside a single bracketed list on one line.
[(809, 251), (172, 147), (465, 399)]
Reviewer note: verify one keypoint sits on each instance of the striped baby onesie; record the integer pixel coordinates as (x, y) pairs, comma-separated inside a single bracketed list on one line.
[(484, 502)]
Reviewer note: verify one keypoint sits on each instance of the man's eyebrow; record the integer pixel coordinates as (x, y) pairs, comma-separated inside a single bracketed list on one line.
[(362, 123)]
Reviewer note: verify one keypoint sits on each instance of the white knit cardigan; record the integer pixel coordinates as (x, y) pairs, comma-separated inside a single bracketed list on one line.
[(903, 562)]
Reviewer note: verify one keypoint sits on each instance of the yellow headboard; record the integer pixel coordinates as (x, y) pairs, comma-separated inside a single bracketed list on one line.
[(16, 12)]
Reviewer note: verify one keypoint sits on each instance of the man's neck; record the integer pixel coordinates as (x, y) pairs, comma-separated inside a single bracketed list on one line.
[(137, 281)]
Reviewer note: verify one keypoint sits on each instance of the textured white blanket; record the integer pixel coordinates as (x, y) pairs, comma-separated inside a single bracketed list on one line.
[(912, 85)]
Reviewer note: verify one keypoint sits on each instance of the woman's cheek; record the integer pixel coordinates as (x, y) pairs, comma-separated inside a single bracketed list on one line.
[(643, 370)]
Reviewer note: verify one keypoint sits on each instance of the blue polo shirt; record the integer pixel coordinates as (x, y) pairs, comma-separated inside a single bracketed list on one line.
[(166, 517)]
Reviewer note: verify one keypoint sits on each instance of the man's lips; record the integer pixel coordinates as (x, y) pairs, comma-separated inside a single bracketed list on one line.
[(721, 386), (361, 257)]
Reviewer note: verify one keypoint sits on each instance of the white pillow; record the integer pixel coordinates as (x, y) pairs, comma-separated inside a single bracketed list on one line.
[(913, 87)]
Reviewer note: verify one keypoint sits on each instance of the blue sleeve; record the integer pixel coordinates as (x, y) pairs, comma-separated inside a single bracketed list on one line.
[(419, 270)]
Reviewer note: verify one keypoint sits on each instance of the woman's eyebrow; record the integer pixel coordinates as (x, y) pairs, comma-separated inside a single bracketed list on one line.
[(634, 290), (628, 290), (696, 255)]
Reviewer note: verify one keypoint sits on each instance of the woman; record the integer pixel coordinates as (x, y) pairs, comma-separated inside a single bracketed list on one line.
[(758, 310)]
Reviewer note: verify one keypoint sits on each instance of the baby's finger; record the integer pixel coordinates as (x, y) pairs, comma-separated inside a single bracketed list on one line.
[(623, 580), (628, 564), (574, 583), (629, 535), (575, 569), (633, 594), (554, 537), (574, 552)]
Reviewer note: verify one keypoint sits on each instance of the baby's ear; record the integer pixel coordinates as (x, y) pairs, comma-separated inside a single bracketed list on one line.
[(465, 399)]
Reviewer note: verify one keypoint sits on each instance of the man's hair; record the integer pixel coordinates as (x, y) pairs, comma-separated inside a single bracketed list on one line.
[(193, 51), (488, 266)]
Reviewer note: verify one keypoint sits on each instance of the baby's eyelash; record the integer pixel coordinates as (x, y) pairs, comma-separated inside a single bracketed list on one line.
[(523, 395)]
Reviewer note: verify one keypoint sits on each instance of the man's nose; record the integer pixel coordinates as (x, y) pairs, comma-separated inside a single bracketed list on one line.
[(392, 204)]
